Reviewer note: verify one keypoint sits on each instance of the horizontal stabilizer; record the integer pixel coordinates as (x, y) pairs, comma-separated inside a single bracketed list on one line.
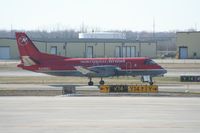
[(27, 61)]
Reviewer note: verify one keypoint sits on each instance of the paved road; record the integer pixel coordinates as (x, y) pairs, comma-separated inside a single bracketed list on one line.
[(170, 73), (99, 115)]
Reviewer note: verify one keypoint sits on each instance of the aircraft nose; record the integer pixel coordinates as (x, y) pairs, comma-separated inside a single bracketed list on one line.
[(164, 71)]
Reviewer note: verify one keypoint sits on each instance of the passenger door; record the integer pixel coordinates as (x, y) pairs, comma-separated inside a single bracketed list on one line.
[(128, 68)]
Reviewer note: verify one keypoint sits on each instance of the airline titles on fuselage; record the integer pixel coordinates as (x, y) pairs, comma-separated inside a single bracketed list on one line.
[(109, 61)]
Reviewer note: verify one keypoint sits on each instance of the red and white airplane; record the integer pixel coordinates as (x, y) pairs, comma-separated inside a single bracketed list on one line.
[(34, 60)]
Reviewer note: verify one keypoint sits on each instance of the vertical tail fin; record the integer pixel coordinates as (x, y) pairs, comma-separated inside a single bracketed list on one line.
[(29, 54), (26, 46)]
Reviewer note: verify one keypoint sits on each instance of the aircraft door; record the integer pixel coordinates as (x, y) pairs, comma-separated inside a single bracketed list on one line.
[(128, 68)]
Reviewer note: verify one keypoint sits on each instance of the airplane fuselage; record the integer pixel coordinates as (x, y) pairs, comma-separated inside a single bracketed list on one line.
[(108, 66)]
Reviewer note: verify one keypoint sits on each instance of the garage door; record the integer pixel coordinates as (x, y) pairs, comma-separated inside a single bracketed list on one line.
[(90, 52), (5, 52), (183, 52)]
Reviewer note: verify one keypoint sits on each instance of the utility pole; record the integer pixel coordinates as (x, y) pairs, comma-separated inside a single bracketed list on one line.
[(11, 31), (154, 28)]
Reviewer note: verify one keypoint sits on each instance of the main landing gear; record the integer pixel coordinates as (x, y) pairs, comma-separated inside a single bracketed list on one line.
[(91, 83), (101, 82)]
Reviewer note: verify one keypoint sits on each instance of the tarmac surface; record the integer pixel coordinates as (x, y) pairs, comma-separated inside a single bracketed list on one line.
[(117, 114), (99, 115), (170, 72), (194, 88)]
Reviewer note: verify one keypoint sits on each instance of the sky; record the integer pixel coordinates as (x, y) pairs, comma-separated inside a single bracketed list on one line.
[(102, 15)]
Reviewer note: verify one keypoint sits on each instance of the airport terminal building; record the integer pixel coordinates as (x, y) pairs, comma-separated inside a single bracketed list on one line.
[(84, 47)]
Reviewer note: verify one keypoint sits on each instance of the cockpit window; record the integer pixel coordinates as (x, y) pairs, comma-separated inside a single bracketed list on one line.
[(149, 62)]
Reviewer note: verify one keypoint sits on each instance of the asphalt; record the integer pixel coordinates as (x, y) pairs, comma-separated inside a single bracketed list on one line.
[(167, 90), (115, 114), (170, 72), (99, 115)]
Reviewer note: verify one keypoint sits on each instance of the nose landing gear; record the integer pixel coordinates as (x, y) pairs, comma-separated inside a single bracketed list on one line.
[(147, 79)]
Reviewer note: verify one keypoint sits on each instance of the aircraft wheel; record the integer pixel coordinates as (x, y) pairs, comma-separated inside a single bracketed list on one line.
[(151, 83), (101, 82), (90, 83), (142, 79)]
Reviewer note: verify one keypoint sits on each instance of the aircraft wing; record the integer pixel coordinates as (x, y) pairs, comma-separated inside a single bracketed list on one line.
[(98, 71), (83, 70)]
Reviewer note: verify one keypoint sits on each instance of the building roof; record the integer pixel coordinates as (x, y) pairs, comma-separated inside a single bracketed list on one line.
[(55, 40), (188, 32)]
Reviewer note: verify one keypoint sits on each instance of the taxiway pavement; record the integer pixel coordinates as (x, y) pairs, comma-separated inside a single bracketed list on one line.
[(170, 72), (99, 115), (162, 87)]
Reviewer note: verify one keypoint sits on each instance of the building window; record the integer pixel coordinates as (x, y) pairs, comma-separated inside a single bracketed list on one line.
[(128, 51), (133, 52), (123, 51), (53, 50), (117, 51), (89, 52)]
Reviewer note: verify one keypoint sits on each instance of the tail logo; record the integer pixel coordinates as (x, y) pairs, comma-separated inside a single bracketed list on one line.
[(22, 40)]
